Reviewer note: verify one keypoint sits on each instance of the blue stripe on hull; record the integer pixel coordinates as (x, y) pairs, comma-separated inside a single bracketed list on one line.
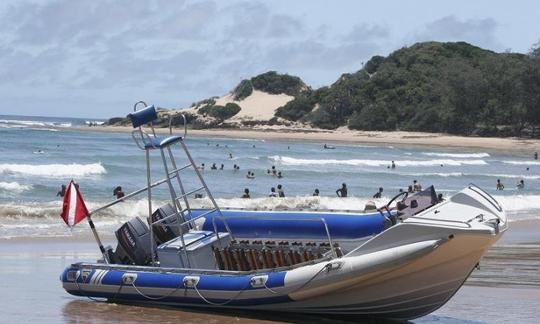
[(174, 280)]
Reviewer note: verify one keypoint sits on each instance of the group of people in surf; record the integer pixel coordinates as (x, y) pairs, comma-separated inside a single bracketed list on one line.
[(520, 185), (273, 192)]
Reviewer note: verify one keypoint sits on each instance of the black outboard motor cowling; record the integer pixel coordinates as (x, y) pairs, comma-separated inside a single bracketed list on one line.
[(134, 243), (169, 228)]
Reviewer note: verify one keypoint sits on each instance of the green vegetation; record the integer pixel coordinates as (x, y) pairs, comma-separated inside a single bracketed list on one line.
[(243, 90), (435, 87), (220, 112), (270, 82)]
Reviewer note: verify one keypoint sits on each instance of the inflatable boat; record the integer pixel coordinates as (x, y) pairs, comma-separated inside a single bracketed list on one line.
[(401, 261)]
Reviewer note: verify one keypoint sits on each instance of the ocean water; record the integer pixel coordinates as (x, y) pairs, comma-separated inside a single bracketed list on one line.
[(38, 155)]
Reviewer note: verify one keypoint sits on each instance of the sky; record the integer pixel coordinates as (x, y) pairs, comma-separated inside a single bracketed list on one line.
[(96, 58)]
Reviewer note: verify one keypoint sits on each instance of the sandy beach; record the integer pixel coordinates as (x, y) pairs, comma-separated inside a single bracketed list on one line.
[(343, 135)]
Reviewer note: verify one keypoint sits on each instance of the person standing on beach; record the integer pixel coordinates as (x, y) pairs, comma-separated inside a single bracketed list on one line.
[(500, 186), (280, 191), (342, 192)]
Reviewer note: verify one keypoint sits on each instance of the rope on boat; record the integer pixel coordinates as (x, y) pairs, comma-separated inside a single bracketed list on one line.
[(154, 298), (218, 304), (326, 267)]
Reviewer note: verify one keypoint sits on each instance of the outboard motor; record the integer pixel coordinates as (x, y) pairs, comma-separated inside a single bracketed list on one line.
[(133, 243), (169, 228)]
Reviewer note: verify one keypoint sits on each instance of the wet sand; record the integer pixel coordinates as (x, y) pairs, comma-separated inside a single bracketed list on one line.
[(508, 279)]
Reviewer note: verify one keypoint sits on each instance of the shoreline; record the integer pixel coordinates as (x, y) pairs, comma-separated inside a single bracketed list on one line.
[(346, 136)]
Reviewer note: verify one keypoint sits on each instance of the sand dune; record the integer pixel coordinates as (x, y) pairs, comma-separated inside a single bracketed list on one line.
[(258, 106)]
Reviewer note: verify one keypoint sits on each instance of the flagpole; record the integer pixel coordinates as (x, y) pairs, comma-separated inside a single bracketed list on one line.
[(74, 210), (98, 240)]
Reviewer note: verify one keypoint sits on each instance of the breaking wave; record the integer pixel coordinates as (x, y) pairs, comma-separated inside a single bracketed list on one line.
[(13, 187), (286, 160), (463, 174), (43, 219), (522, 162), (8, 123), (457, 155), (54, 170)]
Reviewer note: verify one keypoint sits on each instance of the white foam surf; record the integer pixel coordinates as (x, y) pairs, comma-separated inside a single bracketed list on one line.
[(42, 219), (457, 155), (286, 160), (519, 202), (522, 162), (14, 187), (462, 174), (54, 170), (29, 123)]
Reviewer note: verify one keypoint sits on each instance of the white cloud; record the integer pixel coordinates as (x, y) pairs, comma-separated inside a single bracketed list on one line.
[(479, 32)]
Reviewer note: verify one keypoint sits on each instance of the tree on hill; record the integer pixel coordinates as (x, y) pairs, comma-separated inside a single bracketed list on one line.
[(270, 82), (443, 87), (220, 112)]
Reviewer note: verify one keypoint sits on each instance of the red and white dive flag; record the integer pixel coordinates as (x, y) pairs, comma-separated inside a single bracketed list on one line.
[(74, 209)]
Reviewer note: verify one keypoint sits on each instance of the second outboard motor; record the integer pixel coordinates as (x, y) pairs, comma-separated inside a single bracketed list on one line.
[(134, 243), (169, 228)]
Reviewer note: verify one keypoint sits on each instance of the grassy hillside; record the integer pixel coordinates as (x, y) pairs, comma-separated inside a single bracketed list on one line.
[(434, 87)]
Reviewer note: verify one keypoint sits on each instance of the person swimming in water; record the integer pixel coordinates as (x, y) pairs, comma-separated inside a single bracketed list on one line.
[(499, 186), (378, 194), (118, 192), (279, 175), (272, 192), (521, 184), (246, 193), (213, 167), (393, 166), (62, 191), (342, 192), (316, 192), (250, 175), (280, 191), (417, 187)]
